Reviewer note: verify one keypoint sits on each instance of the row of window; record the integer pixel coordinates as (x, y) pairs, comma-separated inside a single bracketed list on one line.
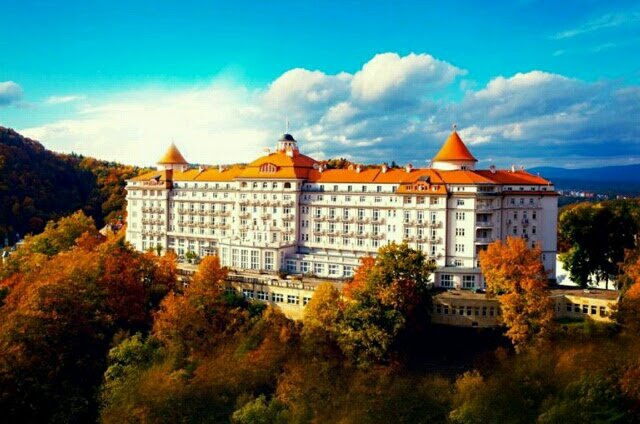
[(468, 281), (273, 297), (318, 268), (467, 310), (586, 309)]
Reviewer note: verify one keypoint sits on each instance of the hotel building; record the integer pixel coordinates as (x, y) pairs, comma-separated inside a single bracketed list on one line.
[(286, 211)]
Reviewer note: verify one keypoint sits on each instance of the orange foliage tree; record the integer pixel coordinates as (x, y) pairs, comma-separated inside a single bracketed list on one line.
[(199, 318), (628, 313), (515, 273)]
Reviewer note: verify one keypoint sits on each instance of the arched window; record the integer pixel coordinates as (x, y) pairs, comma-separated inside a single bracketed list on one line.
[(268, 168), (287, 185)]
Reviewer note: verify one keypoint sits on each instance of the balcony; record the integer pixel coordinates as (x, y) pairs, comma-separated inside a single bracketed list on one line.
[(484, 207), (288, 217), (485, 240), (435, 240), (435, 224), (484, 224), (378, 221)]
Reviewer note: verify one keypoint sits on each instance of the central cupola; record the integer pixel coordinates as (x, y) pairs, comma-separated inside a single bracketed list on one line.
[(287, 144), (454, 155)]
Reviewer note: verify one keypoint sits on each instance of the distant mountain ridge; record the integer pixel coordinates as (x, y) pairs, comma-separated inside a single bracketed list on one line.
[(623, 173)]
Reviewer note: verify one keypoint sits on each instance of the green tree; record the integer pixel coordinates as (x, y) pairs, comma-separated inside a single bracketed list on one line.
[(259, 411), (387, 301), (597, 236)]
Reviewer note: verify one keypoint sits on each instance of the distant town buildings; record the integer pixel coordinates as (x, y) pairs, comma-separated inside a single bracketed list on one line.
[(286, 211)]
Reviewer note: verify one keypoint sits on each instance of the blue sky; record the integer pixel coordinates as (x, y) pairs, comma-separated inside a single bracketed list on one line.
[(530, 82)]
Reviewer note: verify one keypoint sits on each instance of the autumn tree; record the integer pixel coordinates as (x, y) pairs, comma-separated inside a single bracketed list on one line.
[(69, 290), (199, 317), (388, 298), (515, 274), (628, 309)]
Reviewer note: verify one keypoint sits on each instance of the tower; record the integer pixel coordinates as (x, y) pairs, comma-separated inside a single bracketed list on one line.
[(172, 160), (454, 155), (287, 144)]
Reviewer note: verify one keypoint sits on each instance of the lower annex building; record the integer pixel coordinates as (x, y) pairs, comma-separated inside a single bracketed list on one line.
[(287, 212)]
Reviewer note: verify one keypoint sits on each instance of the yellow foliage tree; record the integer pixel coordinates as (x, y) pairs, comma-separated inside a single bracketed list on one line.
[(515, 274)]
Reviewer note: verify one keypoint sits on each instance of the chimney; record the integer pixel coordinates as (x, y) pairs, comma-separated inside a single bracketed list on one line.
[(221, 168), (384, 168), (201, 168), (320, 168), (492, 168), (409, 168), (513, 168), (168, 178), (358, 168)]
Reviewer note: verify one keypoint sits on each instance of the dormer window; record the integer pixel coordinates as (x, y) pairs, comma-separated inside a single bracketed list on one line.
[(268, 168)]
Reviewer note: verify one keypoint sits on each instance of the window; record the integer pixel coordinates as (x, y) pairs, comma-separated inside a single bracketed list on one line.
[(261, 295), (247, 294), (304, 267), (446, 280), (268, 260), (305, 300), (468, 281), (459, 231), (460, 216), (459, 248), (292, 299), (277, 297), (460, 202), (255, 259), (291, 265), (333, 269), (318, 268)]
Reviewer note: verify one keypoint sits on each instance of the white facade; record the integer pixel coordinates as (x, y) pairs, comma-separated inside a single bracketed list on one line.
[(297, 217)]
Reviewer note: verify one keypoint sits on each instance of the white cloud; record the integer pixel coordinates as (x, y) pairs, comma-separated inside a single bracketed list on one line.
[(56, 100), (379, 113), (609, 20), (389, 76), (10, 93)]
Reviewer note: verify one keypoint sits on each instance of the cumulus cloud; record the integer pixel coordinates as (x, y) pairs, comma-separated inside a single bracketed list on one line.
[(390, 109), (10, 93), (390, 77)]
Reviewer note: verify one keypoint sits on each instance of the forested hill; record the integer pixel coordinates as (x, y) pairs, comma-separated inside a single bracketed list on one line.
[(37, 185)]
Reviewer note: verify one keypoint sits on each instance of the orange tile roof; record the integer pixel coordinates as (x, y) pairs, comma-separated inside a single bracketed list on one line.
[(284, 166), (172, 156), (193, 174), (464, 177), (454, 149), (503, 176)]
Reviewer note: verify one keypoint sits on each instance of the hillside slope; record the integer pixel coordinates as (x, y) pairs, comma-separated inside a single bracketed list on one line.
[(37, 185)]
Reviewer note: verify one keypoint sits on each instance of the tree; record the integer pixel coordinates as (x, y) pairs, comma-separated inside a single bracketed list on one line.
[(259, 411), (515, 274), (387, 300), (199, 318), (597, 236), (628, 313)]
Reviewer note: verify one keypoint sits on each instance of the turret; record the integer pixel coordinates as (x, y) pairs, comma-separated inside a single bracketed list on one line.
[(454, 155), (287, 144), (172, 160)]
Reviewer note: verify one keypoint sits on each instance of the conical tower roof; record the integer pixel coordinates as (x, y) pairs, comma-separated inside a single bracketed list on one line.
[(172, 157), (454, 149)]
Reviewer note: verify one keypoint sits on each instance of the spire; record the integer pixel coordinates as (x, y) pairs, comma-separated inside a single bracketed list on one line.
[(454, 149), (172, 157)]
